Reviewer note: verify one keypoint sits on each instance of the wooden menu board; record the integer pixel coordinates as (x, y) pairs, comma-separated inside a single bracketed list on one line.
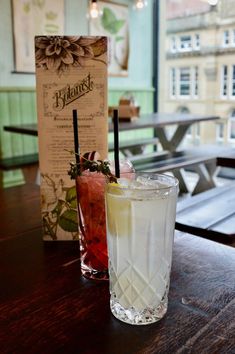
[(71, 73)]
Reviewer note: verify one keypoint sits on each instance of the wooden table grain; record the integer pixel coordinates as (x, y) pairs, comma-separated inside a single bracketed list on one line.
[(46, 306)]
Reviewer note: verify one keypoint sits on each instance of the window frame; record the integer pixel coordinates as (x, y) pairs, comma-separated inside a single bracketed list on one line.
[(224, 81), (226, 38), (188, 48), (197, 41), (231, 119)]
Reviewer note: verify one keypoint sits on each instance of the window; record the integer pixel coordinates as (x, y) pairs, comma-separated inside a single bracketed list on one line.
[(233, 38), (184, 83), (231, 126), (197, 41), (228, 82), (185, 43), (233, 81), (195, 81), (224, 87), (173, 82), (226, 38)]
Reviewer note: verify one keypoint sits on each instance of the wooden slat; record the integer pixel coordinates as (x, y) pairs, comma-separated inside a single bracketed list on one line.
[(209, 214), (170, 163)]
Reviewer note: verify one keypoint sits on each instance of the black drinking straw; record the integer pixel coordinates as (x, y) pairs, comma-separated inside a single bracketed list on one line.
[(75, 133), (116, 143)]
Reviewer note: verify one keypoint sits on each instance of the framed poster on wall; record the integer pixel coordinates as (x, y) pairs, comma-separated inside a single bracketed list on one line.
[(113, 23), (31, 18)]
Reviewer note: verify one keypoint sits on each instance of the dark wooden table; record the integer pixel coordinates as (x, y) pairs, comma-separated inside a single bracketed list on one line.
[(157, 121), (47, 307)]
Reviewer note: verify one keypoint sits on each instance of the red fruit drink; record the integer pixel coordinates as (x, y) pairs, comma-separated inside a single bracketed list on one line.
[(91, 204), (92, 221)]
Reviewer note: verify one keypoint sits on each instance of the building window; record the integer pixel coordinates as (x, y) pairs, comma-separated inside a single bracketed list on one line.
[(195, 81), (184, 84), (224, 87), (226, 38), (233, 81), (173, 82), (197, 42), (185, 43), (233, 38), (173, 44), (231, 126)]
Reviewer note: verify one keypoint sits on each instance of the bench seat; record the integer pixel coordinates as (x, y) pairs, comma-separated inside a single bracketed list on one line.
[(210, 214), (27, 163), (200, 159), (16, 162)]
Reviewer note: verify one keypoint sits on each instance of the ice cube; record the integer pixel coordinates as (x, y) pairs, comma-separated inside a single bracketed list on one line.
[(124, 182), (137, 185), (125, 166), (147, 182)]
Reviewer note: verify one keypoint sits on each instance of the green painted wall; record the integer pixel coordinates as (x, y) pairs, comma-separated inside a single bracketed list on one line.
[(17, 91)]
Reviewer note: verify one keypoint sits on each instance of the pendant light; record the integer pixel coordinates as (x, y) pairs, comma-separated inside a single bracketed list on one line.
[(94, 10), (140, 4)]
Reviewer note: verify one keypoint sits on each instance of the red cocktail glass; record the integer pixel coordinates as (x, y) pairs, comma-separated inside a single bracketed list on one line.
[(91, 208)]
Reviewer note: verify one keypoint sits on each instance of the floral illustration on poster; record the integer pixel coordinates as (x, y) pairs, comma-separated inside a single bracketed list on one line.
[(31, 18), (113, 23), (59, 53), (59, 208), (71, 74)]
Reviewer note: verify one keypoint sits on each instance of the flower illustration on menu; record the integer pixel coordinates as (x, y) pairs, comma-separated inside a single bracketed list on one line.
[(59, 208), (57, 53)]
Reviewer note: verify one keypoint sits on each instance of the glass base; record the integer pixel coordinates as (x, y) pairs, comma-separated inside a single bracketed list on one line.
[(93, 273), (134, 317)]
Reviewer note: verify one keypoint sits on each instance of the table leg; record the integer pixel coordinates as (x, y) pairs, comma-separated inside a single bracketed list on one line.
[(206, 173), (31, 174), (172, 143), (182, 185)]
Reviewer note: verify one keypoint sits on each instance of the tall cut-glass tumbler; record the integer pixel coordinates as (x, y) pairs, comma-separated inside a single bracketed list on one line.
[(140, 230)]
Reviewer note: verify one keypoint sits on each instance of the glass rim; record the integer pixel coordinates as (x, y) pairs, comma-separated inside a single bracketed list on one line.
[(173, 182)]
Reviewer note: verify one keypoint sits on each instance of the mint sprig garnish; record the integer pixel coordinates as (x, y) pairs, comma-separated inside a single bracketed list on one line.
[(99, 166)]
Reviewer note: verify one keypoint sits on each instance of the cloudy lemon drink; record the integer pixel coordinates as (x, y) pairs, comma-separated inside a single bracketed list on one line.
[(140, 229)]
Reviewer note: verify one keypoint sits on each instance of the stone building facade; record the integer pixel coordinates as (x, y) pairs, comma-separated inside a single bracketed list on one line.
[(199, 66)]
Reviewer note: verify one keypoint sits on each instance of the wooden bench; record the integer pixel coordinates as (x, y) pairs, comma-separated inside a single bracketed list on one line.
[(202, 164), (27, 163), (202, 160), (210, 214), (135, 146)]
